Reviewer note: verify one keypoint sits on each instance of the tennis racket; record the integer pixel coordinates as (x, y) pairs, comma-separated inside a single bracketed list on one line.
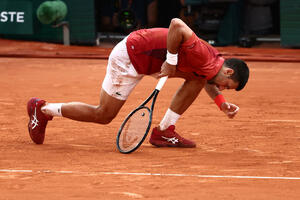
[(136, 126)]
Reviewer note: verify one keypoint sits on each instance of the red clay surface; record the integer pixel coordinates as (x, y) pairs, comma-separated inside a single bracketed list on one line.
[(80, 160)]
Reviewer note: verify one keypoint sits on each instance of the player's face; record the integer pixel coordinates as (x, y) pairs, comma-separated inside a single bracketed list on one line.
[(223, 80), (227, 83)]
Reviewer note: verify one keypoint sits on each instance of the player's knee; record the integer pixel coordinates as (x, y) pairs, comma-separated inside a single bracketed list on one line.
[(104, 116), (106, 120)]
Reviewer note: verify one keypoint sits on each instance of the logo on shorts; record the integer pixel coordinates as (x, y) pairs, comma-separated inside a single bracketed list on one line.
[(118, 93)]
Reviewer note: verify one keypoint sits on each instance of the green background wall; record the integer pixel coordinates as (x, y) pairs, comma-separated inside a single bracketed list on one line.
[(81, 18), (290, 23)]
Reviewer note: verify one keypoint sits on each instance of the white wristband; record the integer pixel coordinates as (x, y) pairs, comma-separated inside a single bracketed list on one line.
[(172, 59)]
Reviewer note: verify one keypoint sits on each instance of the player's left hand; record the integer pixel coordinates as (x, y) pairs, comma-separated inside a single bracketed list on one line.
[(230, 109), (167, 70)]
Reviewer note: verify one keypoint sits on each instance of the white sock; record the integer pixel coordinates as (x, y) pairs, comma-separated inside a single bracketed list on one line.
[(169, 119), (52, 109)]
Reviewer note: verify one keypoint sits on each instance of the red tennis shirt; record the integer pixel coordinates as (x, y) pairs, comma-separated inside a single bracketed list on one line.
[(147, 49)]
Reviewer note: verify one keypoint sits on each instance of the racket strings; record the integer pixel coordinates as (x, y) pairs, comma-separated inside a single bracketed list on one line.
[(134, 129)]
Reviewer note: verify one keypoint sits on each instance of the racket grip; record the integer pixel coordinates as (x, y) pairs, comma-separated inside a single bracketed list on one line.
[(161, 82)]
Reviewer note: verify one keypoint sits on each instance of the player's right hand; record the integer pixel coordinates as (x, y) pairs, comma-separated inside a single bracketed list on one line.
[(167, 70), (230, 109)]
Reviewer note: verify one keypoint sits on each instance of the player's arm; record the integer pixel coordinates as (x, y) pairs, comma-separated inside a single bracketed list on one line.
[(228, 108), (178, 33)]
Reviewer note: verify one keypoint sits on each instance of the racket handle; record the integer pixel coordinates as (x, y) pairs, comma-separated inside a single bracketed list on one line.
[(161, 82)]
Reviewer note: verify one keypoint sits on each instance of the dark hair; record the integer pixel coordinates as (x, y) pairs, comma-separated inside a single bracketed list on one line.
[(241, 71)]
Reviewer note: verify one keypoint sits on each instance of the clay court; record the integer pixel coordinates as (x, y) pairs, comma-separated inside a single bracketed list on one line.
[(254, 156)]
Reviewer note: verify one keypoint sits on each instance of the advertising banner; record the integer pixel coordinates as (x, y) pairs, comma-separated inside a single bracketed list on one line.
[(16, 17)]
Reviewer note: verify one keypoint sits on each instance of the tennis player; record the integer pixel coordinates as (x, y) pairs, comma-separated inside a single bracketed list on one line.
[(172, 52)]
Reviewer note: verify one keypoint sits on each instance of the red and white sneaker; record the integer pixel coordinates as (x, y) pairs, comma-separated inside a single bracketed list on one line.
[(37, 120), (169, 138)]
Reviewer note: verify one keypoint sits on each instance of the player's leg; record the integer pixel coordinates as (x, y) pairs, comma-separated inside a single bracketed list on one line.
[(115, 90), (40, 112), (186, 95), (164, 135), (118, 83), (103, 113)]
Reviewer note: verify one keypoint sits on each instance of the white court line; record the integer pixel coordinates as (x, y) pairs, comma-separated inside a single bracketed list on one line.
[(150, 174), (272, 120), (282, 120)]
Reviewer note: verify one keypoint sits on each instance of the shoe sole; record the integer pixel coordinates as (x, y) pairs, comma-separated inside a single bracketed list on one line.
[(164, 144)]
